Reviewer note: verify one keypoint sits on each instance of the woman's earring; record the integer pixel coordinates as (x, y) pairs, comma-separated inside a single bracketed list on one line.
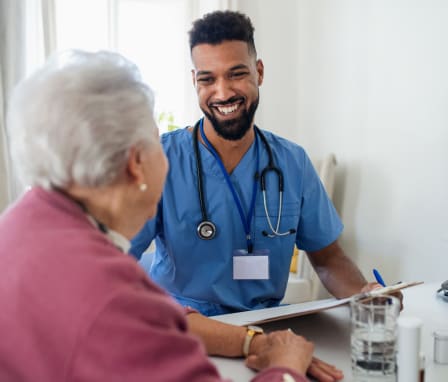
[(143, 187)]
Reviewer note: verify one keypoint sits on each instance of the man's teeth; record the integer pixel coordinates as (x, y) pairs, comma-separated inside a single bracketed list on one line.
[(227, 109)]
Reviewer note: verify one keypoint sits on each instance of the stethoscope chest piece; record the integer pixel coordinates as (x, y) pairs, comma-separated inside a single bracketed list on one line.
[(206, 230)]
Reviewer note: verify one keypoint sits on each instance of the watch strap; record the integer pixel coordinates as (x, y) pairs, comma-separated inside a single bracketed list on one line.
[(251, 332)]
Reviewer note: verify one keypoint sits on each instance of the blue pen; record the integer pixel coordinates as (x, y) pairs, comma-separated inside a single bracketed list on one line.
[(378, 278)]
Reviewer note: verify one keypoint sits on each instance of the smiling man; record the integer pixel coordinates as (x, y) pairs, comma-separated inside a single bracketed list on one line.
[(237, 198)]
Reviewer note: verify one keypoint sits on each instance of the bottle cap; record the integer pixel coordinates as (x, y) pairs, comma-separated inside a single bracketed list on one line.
[(408, 322), (441, 334)]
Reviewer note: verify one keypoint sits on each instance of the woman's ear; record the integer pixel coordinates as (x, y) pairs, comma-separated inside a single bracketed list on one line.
[(134, 167)]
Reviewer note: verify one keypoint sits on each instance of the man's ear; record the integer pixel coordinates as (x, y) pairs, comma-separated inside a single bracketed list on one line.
[(134, 166), (260, 71), (193, 77)]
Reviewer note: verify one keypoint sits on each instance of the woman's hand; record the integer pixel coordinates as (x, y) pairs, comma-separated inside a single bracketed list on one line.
[(264, 353), (282, 349)]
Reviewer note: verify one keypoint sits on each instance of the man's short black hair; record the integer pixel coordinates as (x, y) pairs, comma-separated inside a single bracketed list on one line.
[(216, 27)]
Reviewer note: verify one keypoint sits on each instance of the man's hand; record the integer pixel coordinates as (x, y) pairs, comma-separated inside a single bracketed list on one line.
[(370, 286), (324, 372), (374, 285)]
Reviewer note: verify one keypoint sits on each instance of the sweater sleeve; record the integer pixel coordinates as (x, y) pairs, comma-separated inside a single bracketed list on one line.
[(142, 336), (279, 374)]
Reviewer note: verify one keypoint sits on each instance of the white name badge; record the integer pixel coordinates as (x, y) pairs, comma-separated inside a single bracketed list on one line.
[(250, 267)]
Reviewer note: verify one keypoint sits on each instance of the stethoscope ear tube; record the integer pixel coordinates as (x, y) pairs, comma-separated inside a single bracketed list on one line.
[(292, 231), (263, 177)]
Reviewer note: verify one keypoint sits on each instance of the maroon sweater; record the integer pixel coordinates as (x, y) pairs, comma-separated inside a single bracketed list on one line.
[(75, 308)]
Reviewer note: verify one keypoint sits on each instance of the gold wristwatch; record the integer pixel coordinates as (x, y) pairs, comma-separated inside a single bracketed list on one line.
[(252, 331)]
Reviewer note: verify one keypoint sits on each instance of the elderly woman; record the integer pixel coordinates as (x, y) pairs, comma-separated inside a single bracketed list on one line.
[(74, 307)]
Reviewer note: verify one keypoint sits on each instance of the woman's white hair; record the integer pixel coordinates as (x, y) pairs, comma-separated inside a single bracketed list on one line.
[(75, 120)]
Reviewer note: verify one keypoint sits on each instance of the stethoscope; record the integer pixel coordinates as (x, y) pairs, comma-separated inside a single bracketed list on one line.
[(207, 229)]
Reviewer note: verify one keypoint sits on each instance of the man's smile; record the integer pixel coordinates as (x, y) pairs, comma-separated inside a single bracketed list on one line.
[(227, 108)]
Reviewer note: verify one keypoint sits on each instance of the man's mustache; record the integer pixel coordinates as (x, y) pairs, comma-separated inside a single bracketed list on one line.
[(226, 102)]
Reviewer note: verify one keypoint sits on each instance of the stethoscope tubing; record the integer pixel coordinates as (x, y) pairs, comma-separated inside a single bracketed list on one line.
[(206, 229)]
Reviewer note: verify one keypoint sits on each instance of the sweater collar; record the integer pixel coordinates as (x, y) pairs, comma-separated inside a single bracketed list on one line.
[(65, 201), (115, 237)]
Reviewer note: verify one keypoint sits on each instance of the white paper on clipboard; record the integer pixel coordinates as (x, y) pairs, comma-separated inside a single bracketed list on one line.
[(261, 316)]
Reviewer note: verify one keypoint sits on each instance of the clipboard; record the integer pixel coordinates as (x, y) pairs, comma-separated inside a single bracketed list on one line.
[(261, 316)]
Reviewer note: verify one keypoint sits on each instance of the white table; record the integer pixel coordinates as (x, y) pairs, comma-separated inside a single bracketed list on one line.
[(330, 332)]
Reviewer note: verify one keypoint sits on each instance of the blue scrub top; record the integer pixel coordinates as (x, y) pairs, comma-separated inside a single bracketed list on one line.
[(199, 273)]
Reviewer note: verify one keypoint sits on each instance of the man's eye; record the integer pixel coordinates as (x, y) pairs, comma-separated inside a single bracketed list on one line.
[(238, 74), (205, 80)]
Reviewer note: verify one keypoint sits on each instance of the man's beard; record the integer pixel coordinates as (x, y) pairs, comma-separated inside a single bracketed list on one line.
[(234, 129)]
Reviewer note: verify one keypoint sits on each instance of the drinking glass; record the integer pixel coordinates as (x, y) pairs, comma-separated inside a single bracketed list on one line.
[(373, 338)]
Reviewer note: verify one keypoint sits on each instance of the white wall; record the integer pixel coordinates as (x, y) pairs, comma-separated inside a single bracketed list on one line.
[(368, 80)]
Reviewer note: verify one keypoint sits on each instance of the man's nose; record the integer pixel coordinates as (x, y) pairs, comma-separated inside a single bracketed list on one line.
[(223, 89)]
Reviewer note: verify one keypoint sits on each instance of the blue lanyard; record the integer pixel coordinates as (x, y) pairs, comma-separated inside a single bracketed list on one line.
[(245, 220)]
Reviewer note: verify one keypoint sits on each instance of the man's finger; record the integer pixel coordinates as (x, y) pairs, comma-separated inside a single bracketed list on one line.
[(324, 372)]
